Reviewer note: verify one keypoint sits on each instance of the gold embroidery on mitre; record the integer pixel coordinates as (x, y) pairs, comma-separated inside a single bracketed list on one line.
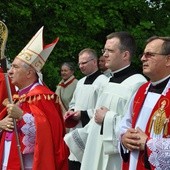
[(26, 55), (159, 121), (38, 64)]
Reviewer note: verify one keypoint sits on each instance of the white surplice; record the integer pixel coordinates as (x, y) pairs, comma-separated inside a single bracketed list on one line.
[(98, 151), (85, 97), (159, 145)]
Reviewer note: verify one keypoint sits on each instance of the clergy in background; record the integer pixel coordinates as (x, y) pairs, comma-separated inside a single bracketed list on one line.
[(96, 145)]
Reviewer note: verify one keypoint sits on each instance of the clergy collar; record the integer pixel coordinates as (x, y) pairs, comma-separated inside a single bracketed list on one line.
[(159, 81), (119, 70), (159, 86), (120, 76), (92, 73), (128, 70), (90, 78), (26, 89)]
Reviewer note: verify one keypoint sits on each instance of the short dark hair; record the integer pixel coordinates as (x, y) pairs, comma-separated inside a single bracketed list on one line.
[(127, 41), (165, 46)]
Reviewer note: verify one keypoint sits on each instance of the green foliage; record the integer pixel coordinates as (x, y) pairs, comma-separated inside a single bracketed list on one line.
[(80, 24)]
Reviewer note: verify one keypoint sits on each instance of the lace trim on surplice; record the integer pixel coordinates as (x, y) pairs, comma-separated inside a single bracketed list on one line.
[(29, 131), (160, 156)]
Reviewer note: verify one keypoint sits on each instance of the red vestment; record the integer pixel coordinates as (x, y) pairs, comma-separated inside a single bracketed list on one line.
[(50, 151), (3, 89), (137, 105)]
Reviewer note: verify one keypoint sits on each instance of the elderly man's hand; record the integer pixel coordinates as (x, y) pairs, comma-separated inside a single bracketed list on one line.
[(142, 138), (7, 124), (134, 139), (130, 139), (14, 111)]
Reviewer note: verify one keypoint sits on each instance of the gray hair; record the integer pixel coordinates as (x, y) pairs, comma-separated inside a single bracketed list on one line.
[(70, 65), (27, 66)]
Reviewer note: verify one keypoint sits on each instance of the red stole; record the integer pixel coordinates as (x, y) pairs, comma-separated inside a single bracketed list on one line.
[(64, 85), (163, 104)]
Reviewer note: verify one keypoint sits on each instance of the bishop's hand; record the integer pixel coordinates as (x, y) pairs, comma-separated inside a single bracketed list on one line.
[(14, 111)]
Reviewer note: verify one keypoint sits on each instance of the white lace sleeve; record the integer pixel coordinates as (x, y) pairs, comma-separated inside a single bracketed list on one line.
[(29, 130), (160, 153)]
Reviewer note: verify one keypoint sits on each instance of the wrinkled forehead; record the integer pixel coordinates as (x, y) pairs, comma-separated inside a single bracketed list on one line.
[(18, 62), (154, 46)]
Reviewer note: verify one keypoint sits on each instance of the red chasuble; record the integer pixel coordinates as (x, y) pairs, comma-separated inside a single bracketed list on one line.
[(159, 124), (50, 152), (3, 89)]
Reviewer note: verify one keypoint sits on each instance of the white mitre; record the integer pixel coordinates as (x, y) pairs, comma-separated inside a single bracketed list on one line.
[(35, 53)]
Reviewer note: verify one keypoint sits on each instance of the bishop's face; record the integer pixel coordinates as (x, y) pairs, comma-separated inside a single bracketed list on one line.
[(19, 73)]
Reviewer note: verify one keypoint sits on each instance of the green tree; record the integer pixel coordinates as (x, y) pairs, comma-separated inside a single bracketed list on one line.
[(80, 24)]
